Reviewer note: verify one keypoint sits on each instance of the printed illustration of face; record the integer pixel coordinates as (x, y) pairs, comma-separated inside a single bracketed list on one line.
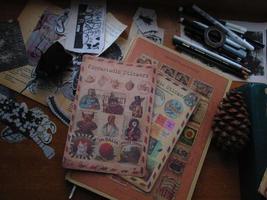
[(88, 117), (81, 148)]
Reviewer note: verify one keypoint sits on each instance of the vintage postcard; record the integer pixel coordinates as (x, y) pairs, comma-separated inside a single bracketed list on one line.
[(180, 173), (111, 117), (12, 48), (173, 106), (42, 37), (86, 27)]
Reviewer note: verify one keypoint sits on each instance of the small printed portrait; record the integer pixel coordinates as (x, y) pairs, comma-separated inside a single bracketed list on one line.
[(182, 78), (200, 112), (176, 166), (167, 188), (130, 153), (154, 147), (188, 136), (82, 146), (133, 132), (159, 98), (106, 151), (86, 125), (113, 104), (167, 70), (181, 151), (190, 99), (110, 128), (202, 88), (136, 107), (173, 108), (90, 101)]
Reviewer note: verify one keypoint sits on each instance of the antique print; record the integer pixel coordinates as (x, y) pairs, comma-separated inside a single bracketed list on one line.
[(42, 37), (89, 19), (116, 117), (12, 49)]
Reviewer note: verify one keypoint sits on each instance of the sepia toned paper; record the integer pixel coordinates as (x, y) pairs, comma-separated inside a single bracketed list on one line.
[(111, 117), (86, 27), (173, 106)]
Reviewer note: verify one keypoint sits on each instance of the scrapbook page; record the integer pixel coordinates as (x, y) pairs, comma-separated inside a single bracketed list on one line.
[(173, 106), (111, 117), (180, 173)]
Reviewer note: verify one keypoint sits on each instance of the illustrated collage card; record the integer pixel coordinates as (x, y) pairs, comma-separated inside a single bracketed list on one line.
[(112, 113), (173, 106), (88, 19)]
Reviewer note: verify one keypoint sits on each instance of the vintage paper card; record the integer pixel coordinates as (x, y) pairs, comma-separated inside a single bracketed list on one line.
[(42, 37), (114, 29), (179, 175), (112, 113), (173, 106), (86, 27), (12, 49)]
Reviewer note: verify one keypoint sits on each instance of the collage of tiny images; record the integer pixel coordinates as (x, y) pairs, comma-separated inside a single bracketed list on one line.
[(204, 89), (198, 86), (117, 84), (172, 178), (114, 125)]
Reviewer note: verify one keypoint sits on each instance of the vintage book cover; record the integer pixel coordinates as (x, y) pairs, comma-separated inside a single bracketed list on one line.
[(173, 106), (111, 118), (179, 175)]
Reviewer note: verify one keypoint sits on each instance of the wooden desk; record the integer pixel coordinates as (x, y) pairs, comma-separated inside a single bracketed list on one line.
[(25, 173)]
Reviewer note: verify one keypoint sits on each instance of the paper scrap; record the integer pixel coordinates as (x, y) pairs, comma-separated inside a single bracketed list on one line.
[(86, 27), (114, 29)]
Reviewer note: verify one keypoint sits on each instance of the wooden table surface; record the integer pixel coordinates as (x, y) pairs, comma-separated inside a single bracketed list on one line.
[(25, 173)]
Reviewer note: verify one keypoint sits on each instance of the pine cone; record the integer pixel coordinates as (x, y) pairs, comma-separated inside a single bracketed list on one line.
[(231, 125)]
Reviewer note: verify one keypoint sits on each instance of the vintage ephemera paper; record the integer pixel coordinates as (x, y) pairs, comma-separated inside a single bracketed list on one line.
[(89, 19), (179, 175), (173, 106), (35, 12), (12, 49), (112, 112)]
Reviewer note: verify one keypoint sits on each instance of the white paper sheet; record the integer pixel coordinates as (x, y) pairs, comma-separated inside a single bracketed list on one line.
[(86, 26)]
